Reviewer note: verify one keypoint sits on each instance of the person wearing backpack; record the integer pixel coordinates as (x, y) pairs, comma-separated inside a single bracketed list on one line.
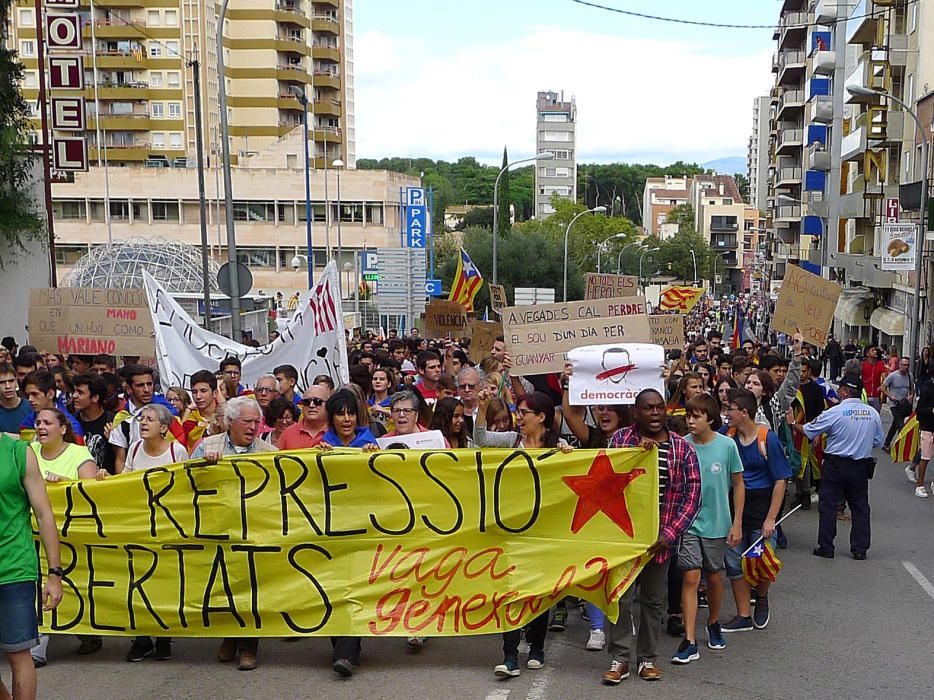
[(765, 475)]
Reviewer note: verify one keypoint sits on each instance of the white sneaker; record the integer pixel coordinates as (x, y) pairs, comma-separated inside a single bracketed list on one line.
[(910, 473), (921, 492), (597, 640)]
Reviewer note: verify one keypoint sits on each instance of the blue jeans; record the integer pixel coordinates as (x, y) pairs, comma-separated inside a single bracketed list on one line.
[(19, 626), (734, 564)]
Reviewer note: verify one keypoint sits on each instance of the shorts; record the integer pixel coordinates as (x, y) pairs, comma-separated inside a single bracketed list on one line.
[(734, 564), (696, 552), (927, 444), (19, 625)]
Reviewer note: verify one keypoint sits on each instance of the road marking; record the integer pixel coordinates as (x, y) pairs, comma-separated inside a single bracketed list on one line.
[(500, 694), (539, 688), (922, 580)]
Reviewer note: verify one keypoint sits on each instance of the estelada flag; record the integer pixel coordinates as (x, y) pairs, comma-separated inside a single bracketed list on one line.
[(467, 281), (760, 564), (680, 299), (905, 446)]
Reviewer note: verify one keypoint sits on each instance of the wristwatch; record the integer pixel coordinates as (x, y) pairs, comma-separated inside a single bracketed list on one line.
[(57, 571)]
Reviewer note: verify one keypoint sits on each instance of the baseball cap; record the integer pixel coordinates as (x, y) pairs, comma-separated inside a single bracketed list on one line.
[(852, 383)]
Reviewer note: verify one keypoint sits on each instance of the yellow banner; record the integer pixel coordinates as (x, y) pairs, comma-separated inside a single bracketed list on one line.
[(426, 543)]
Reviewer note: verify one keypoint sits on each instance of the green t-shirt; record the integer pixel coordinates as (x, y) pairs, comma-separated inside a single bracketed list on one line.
[(18, 559), (719, 460)]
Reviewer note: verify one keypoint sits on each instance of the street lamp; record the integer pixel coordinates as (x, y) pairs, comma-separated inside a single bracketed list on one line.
[(303, 99), (602, 246), (544, 155), (337, 164), (860, 90), (641, 258), (694, 259), (619, 258), (567, 233)]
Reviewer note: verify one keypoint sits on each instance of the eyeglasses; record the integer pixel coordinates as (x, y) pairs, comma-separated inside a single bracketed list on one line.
[(467, 385), (526, 411), (403, 411), (309, 402)]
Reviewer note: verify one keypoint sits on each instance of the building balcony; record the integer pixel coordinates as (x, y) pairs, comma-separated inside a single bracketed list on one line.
[(786, 251), (862, 28), (787, 176), (828, 11), (823, 62), (788, 212), (124, 122), (327, 53), (872, 71), (818, 158), (325, 23), (328, 106), (874, 128), (723, 243), (820, 109), (791, 66), (789, 141), (792, 29), (136, 153), (789, 102), (327, 79)]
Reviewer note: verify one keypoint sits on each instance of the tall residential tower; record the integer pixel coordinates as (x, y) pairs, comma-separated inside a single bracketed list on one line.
[(555, 126)]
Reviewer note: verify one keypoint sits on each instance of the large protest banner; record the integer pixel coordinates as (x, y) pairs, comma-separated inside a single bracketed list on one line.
[(807, 303), (538, 337), (347, 543), (312, 341), (599, 286), (90, 321)]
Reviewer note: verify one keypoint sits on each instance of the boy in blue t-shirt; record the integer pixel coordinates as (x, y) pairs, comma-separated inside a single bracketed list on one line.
[(765, 474), (703, 545)]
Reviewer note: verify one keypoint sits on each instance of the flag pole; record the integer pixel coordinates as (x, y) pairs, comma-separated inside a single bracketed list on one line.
[(783, 518)]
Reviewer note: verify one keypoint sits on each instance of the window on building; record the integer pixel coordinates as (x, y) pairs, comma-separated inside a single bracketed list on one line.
[(30, 79), (374, 213), (72, 209), (119, 210), (173, 79), (153, 18), (69, 254), (554, 117), (285, 211), (175, 110), (254, 211), (561, 154), (913, 18), (27, 18), (257, 257), (158, 110), (164, 211), (549, 135), (155, 78), (175, 140), (121, 138), (121, 108), (171, 18), (27, 47), (155, 50), (158, 139), (911, 90), (555, 172), (728, 200)]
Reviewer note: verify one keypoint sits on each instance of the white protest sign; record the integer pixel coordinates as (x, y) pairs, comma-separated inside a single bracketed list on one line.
[(428, 440), (614, 374), (313, 340)]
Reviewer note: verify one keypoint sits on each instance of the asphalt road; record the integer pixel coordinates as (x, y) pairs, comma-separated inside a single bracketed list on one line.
[(840, 629)]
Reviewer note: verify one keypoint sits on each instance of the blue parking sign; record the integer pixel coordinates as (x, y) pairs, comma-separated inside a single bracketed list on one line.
[(416, 217), (433, 288)]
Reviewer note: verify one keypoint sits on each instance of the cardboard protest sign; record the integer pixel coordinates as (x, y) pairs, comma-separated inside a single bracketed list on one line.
[(667, 330), (615, 374), (392, 543), (806, 303), (482, 336), (498, 297), (90, 321), (444, 319), (598, 286), (538, 337)]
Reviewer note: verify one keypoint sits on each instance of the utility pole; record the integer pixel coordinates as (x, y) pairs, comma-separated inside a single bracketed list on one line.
[(195, 66)]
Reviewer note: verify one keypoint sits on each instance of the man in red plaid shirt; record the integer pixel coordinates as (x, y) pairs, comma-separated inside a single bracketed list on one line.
[(679, 489)]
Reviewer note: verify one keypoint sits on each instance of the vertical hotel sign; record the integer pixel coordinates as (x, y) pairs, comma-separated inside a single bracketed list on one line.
[(66, 73)]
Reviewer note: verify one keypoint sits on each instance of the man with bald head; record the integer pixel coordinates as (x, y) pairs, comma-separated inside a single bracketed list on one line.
[(314, 423)]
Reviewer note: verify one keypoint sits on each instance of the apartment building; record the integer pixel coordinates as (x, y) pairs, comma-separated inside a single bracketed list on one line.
[(555, 132), (757, 153), (140, 89), (659, 196), (719, 216)]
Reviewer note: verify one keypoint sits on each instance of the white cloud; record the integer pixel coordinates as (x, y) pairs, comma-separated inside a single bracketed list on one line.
[(637, 99)]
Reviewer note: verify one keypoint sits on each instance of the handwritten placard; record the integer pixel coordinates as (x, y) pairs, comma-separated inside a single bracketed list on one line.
[(538, 337), (806, 303), (445, 318), (90, 321), (667, 330), (482, 336), (498, 297), (610, 286)]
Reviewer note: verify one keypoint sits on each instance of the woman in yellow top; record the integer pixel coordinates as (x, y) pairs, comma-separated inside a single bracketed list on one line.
[(60, 459)]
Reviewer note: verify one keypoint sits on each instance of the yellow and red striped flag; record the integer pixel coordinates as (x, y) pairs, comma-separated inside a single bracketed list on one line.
[(680, 299), (905, 445), (760, 564), (467, 281)]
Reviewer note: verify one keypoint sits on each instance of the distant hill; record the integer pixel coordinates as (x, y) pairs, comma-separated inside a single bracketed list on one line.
[(727, 166)]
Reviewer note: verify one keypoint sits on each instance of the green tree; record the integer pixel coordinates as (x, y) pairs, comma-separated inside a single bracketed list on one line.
[(742, 183), (683, 215), (481, 216), (504, 198), (19, 220)]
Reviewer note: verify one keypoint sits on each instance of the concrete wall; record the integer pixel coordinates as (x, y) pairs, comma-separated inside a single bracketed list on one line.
[(23, 270)]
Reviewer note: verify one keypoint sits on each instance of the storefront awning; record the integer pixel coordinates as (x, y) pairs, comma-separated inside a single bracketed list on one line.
[(853, 310), (888, 321)]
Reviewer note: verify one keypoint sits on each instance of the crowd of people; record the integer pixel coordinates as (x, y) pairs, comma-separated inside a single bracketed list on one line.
[(741, 433)]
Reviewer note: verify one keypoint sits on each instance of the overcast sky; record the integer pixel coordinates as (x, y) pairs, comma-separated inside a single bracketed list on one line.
[(448, 78)]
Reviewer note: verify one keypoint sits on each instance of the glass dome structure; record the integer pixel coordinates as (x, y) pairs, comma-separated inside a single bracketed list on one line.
[(120, 265)]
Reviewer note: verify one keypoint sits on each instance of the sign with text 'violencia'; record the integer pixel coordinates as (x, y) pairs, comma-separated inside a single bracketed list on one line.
[(391, 543), (538, 337)]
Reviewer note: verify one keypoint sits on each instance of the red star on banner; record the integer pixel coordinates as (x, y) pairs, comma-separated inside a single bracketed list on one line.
[(602, 489)]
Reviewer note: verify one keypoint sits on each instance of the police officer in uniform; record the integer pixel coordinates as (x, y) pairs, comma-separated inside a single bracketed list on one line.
[(853, 429)]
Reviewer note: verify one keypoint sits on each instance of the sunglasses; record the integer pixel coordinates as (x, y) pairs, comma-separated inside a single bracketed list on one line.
[(309, 402), (467, 385)]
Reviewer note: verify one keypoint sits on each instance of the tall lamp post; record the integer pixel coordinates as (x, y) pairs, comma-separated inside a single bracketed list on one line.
[(338, 165), (694, 259), (303, 99), (912, 344), (602, 245), (619, 258), (567, 233), (544, 155), (641, 258)]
